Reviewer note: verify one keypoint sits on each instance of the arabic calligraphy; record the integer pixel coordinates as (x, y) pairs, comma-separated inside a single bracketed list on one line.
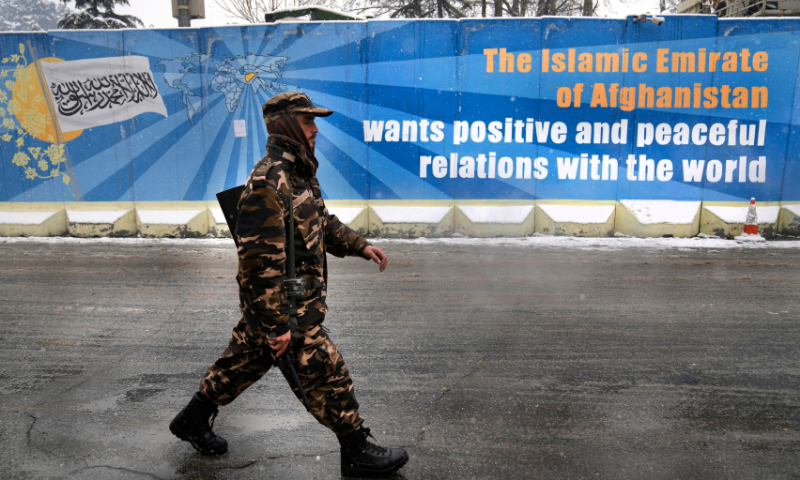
[(99, 93)]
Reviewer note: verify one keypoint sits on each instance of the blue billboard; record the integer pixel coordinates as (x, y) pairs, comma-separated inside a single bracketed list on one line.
[(499, 109)]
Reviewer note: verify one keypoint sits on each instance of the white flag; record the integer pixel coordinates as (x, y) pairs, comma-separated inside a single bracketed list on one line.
[(101, 91)]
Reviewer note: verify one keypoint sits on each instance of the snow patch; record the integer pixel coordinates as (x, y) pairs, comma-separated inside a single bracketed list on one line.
[(672, 212), (795, 209), (738, 214), (217, 215), (411, 214), (346, 215), (109, 216), (167, 217), (747, 237), (516, 214), (176, 242), (578, 213), (538, 241), (591, 243), (25, 218), (318, 7)]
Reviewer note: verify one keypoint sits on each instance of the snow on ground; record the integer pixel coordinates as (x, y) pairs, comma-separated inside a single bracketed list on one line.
[(110, 216), (24, 218), (578, 213), (514, 215), (167, 217), (739, 214), (346, 214), (651, 212), (538, 241), (411, 214)]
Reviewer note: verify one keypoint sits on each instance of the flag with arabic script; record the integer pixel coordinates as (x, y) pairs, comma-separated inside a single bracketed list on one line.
[(101, 91)]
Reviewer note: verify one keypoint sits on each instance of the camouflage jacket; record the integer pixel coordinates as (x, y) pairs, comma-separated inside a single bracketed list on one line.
[(261, 233)]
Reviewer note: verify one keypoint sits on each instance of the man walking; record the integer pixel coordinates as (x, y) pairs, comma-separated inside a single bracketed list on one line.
[(284, 183)]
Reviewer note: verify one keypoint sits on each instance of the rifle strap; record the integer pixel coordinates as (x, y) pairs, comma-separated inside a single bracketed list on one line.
[(290, 265)]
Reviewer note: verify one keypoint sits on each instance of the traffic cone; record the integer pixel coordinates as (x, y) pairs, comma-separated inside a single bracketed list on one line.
[(751, 221)]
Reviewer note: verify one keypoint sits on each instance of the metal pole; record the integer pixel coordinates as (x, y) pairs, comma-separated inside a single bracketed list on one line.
[(184, 19)]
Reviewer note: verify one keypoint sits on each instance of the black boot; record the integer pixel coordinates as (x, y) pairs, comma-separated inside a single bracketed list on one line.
[(361, 458), (192, 425)]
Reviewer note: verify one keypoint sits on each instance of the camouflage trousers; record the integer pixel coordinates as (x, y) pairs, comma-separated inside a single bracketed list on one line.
[(321, 369)]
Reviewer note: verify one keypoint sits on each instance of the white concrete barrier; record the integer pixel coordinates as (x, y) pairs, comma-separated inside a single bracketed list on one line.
[(173, 223), (728, 222), (494, 221), (658, 218), (789, 220), (356, 218), (33, 223), (102, 223), (411, 221), (575, 220), (217, 224)]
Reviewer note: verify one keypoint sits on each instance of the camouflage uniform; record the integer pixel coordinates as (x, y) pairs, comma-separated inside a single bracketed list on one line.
[(261, 233)]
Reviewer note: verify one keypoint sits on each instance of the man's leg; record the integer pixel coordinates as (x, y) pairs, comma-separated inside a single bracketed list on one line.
[(326, 380), (239, 366)]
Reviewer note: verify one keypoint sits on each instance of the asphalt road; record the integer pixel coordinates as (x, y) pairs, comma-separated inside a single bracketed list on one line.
[(483, 361)]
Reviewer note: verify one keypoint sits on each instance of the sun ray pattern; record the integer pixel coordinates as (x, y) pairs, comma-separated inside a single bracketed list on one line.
[(432, 110)]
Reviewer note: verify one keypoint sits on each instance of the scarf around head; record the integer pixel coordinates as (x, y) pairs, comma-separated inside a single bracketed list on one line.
[(287, 127)]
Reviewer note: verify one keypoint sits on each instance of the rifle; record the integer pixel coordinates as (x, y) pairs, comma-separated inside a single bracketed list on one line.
[(229, 202)]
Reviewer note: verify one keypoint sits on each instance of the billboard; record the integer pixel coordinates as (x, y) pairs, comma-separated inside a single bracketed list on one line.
[(481, 109)]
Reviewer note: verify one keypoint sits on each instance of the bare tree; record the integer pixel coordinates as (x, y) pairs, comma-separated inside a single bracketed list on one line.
[(252, 11), (416, 8)]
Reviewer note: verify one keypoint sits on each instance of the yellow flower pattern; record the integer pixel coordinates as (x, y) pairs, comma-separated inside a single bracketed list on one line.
[(19, 124), (21, 159)]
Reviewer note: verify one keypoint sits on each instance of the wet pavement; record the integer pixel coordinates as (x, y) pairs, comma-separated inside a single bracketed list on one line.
[(483, 361)]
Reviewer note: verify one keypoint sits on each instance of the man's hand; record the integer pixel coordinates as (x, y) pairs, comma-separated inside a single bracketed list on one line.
[(279, 344), (376, 255)]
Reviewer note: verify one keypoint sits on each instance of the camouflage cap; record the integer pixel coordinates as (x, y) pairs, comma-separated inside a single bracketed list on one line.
[(291, 102)]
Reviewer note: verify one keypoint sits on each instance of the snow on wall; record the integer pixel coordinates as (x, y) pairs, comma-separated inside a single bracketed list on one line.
[(217, 215), (578, 213), (110, 216), (738, 214), (515, 215), (411, 214), (25, 218), (795, 209), (167, 217), (346, 214), (651, 212)]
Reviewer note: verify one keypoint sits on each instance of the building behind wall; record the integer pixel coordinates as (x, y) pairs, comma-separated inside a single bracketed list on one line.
[(741, 8)]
